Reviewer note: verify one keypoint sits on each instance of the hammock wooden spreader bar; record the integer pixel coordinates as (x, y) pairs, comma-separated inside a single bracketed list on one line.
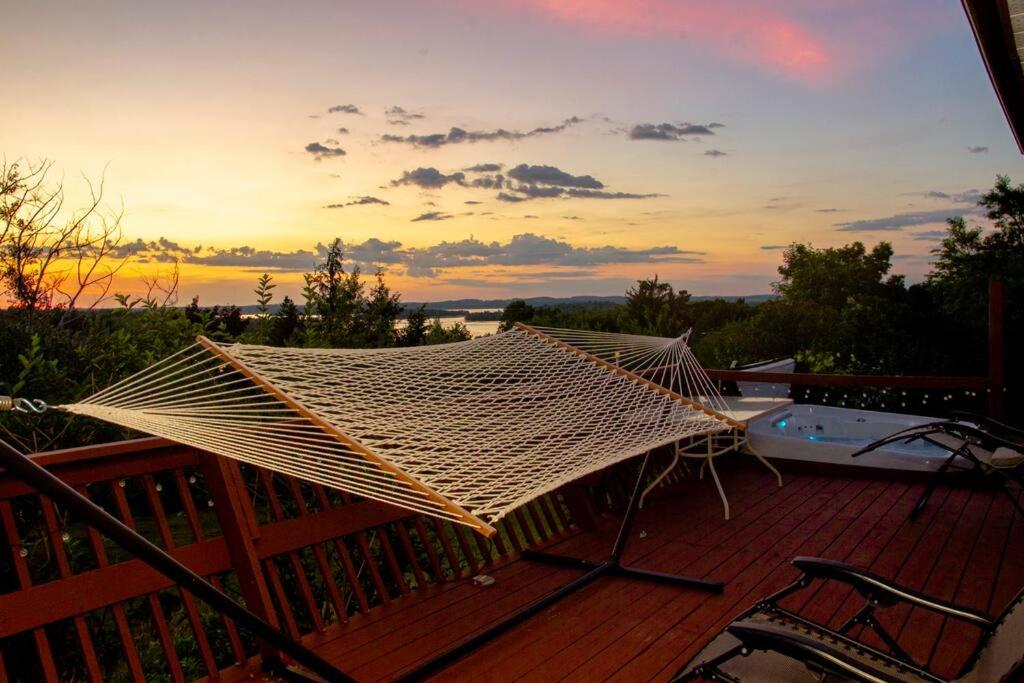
[(466, 432)]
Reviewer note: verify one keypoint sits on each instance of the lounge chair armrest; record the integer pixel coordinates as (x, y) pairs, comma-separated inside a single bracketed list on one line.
[(991, 425), (885, 592), (804, 649)]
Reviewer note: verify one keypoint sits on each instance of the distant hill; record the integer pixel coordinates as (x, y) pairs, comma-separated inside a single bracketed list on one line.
[(459, 307), (471, 304)]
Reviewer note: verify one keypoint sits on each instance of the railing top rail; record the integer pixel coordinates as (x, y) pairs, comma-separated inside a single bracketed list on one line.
[(837, 380)]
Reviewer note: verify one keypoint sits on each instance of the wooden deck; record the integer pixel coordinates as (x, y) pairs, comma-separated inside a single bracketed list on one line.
[(967, 546)]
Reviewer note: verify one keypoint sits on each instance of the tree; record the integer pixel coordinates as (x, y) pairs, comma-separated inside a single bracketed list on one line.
[(51, 258), (966, 260), (378, 315), (517, 311), (655, 308), (415, 331), (260, 329), (438, 333), (287, 325), (334, 300)]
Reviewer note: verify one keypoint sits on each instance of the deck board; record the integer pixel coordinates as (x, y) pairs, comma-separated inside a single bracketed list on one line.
[(968, 545)]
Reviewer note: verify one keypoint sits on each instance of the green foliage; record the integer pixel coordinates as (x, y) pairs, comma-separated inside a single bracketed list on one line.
[(655, 308), (438, 333)]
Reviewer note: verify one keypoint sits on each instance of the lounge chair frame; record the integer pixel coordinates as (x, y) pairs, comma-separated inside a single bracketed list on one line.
[(877, 592), (969, 430)]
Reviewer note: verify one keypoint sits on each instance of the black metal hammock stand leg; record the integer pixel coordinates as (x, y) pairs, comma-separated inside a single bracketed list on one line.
[(594, 570), (22, 467)]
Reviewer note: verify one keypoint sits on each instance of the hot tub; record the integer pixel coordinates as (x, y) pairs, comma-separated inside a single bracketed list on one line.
[(826, 434)]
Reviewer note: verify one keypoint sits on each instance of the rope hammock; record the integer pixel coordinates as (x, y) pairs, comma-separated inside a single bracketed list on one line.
[(465, 431)]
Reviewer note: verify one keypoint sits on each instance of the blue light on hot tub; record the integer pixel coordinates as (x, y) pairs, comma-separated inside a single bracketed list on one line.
[(781, 424)]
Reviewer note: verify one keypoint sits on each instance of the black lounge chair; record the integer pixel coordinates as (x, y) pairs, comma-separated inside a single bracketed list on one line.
[(770, 643), (988, 447)]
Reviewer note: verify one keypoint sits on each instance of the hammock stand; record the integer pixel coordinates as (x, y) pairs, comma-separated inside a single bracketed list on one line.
[(612, 566)]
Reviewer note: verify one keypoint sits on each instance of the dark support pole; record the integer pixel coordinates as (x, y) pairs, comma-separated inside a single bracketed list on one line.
[(996, 349), (594, 571), (50, 486)]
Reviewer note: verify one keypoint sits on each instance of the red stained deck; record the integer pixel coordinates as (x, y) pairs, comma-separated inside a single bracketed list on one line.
[(967, 546)]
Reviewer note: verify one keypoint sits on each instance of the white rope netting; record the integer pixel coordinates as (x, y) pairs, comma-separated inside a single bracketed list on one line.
[(466, 431)]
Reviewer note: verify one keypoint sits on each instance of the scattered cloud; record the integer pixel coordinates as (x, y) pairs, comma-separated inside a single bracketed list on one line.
[(429, 178), (671, 132), (931, 235), (344, 109), (343, 131), (971, 196), (432, 216), (550, 175), (599, 194), (715, 153), (331, 141), (320, 151), (572, 218), (900, 221), (484, 168), (829, 210), (529, 249), (773, 247), (359, 201), (977, 149), (399, 116), (530, 215), (523, 250), (472, 202), (459, 135)]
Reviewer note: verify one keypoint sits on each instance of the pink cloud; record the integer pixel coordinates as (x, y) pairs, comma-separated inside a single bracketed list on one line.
[(815, 42), (756, 34)]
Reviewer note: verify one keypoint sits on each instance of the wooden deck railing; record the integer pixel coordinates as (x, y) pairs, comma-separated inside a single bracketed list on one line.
[(73, 606)]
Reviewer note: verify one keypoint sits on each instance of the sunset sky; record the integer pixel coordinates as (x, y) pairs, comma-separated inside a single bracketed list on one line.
[(507, 147)]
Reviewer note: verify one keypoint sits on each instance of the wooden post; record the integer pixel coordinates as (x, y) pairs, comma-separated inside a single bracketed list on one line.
[(230, 505), (996, 349)]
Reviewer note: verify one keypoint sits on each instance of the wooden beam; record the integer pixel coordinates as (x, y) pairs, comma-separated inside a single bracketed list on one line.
[(990, 21), (632, 376), (353, 445)]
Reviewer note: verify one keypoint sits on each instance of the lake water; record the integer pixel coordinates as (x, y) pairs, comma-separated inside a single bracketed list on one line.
[(477, 328)]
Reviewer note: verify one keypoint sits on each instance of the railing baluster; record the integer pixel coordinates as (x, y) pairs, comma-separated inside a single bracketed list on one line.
[(428, 547), (270, 566), (53, 527), (124, 631), (43, 649), (442, 535), (155, 608), (380, 533), (346, 559), (189, 603), (321, 557), (192, 515), (403, 538), (293, 557)]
